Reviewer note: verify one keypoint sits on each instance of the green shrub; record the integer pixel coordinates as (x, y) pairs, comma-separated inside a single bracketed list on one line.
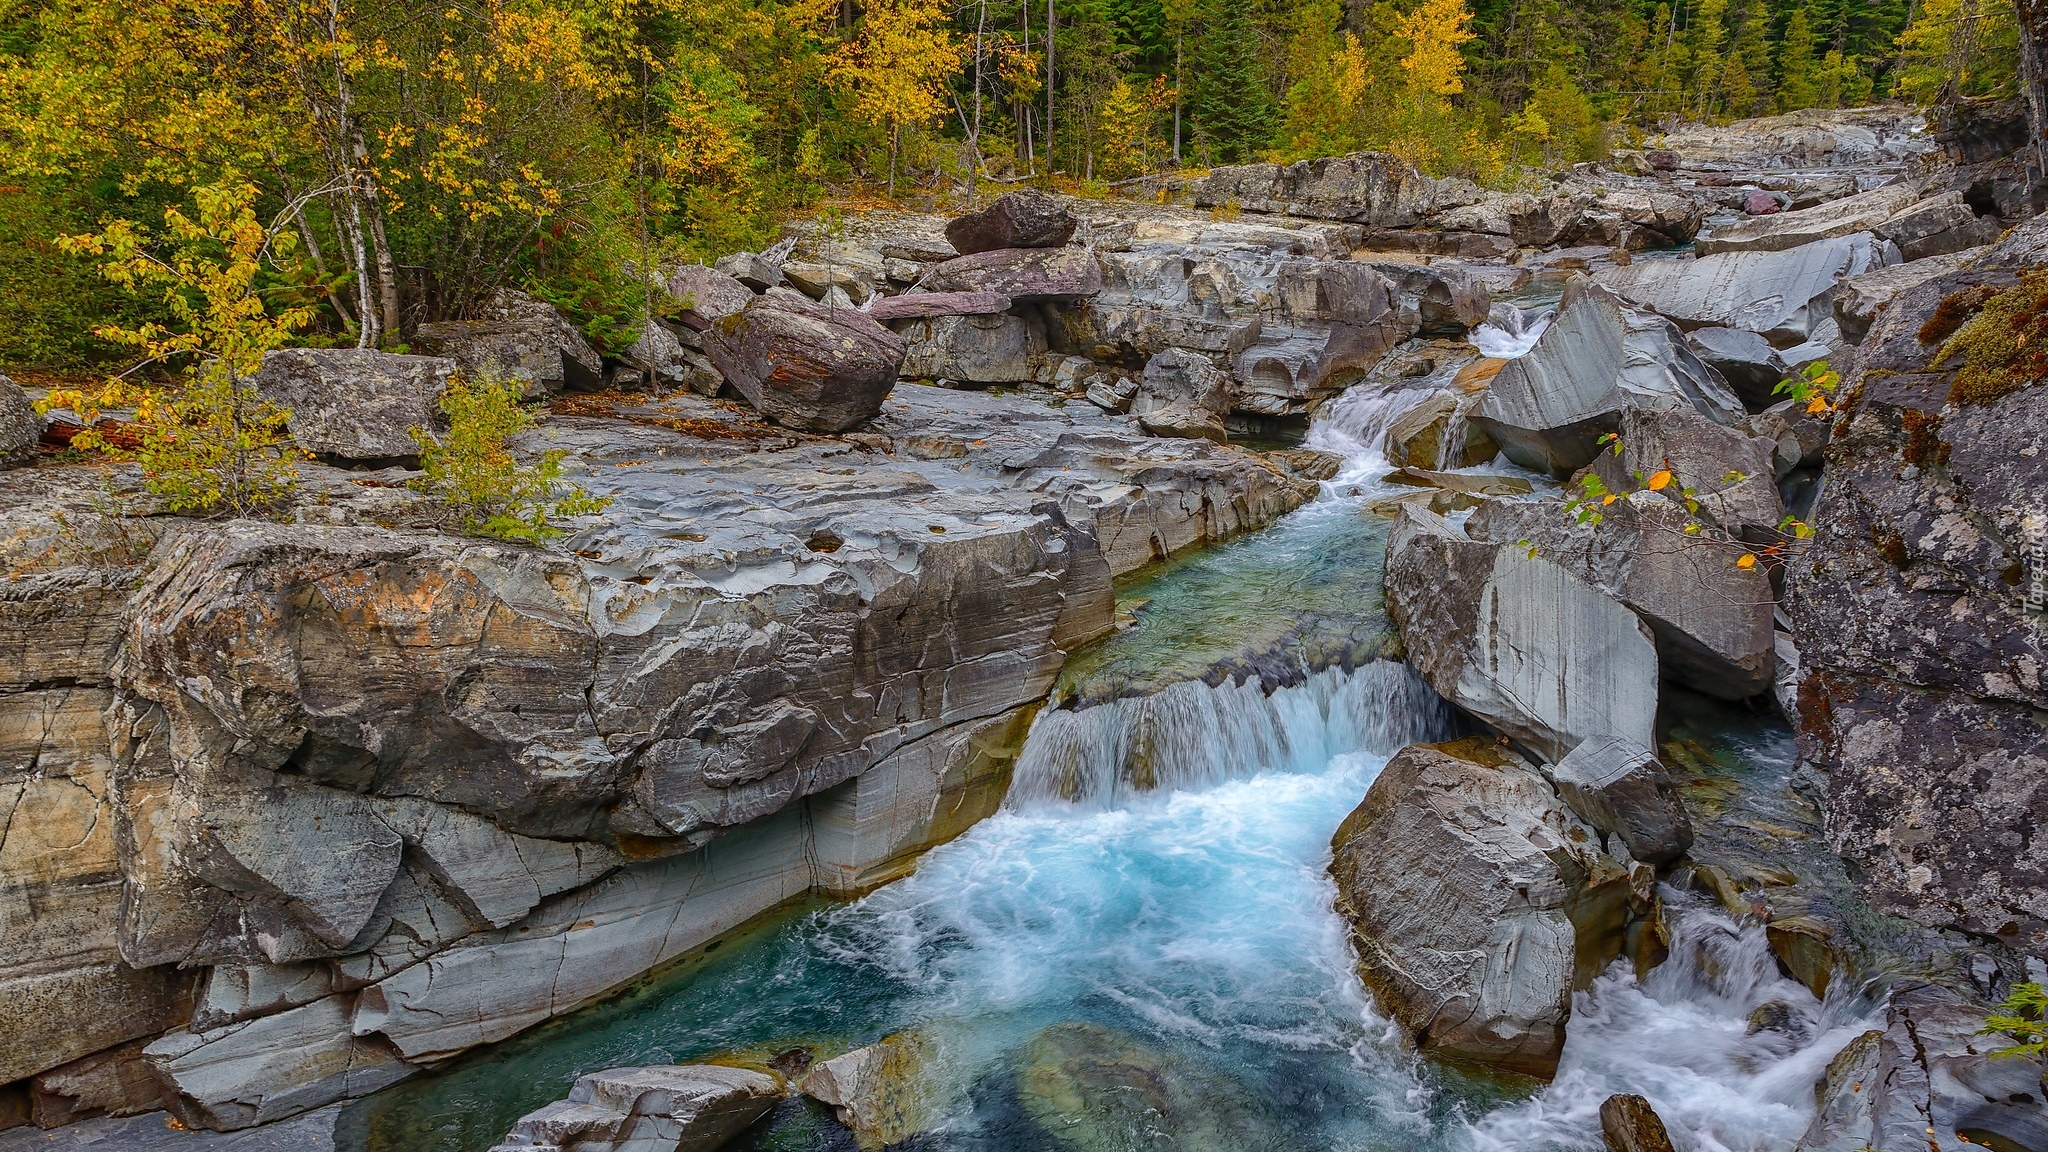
[(2020, 1017), (486, 488)]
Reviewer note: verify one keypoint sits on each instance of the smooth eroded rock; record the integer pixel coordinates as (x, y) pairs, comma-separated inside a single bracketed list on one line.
[(1477, 903), (1621, 789), (1785, 295), (669, 1107)]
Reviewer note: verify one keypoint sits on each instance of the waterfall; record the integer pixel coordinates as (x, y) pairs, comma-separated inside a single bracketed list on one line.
[(1193, 735), (1724, 1046), (1509, 332), (1355, 424)]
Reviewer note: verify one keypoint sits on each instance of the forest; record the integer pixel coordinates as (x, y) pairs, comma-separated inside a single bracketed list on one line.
[(423, 154)]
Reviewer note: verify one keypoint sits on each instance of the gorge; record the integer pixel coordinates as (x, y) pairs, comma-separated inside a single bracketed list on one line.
[(1071, 667)]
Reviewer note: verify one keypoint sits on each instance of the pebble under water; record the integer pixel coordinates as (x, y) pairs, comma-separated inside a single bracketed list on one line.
[(1145, 961)]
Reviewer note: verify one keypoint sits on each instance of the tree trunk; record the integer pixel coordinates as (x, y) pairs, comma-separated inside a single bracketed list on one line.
[(1051, 39), (1177, 85)]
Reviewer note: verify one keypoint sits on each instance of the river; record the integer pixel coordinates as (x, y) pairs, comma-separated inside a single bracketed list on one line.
[(1140, 951)]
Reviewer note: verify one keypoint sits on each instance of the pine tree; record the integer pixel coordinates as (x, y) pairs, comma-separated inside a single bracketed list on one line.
[(1796, 64), (1232, 111)]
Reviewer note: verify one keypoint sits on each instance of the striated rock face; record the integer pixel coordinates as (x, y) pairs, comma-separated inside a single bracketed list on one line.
[(1477, 903), (386, 794), (1921, 693), (1518, 641), (1883, 134), (672, 1107), (1711, 618), (520, 338), (922, 305), (1025, 219), (1182, 394), (1927, 1079), (1621, 789), (997, 348), (1860, 298), (806, 365), (355, 404), (1369, 188), (20, 427), (1864, 212), (1783, 295), (1597, 359), (1021, 273)]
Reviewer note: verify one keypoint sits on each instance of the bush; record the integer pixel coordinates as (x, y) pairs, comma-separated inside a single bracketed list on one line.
[(475, 475)]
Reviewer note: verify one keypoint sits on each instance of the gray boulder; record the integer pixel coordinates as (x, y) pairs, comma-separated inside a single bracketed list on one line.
[(1783, 294), (1937, 226), (266, 1069), (883, 1092), (21, 428), (1745, 360), (1182, 394), (356, 404), (1620, 788), (1518, 640), (1800, 437), (659, 360), (519, 338), (708, 295), (820, 281), (753, 270), (925, 305), (1448, 300), (1023, 219), (1549, 408), (1711, 618), (1437, 434), (991, 348), (1477, 903), (663, 1108), (1731, 474), (1021, 273), (804, 365), (1864, 212)]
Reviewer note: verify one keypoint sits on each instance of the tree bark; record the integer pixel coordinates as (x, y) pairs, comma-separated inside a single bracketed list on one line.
[(1051, 38), (2033, 20)]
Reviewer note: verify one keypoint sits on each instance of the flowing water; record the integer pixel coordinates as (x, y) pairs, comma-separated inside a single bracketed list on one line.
[(1139, 952)]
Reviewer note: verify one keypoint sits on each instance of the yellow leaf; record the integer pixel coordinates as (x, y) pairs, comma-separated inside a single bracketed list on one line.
[(1660, 481), (1609, 498), (1747, 561), (1817, 407)]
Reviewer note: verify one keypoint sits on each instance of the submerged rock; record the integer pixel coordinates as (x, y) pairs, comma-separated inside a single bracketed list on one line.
[(1477, 903), (1629, 1124), (665, 1108), (1024, 219), (1094, 1089), (1518, 640), (884, 1092), (805, 365)]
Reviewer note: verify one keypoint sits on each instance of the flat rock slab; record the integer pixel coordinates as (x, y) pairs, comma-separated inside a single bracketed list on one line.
[(152, 1132), (1021, 273), (921, 305), (1784, 295)]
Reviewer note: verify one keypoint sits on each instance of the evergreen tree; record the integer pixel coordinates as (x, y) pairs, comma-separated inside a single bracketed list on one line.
[(1227, 97), (1796, 87)]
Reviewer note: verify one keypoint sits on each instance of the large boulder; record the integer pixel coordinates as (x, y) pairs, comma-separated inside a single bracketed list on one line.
[(804, 365), (356, 404), (1860, 298), (990, 348), (520, 338), (1751, 367), (1629, 1124), (1621, 789), (659, 360), (884, 1092), (1710, 616), (1937, 226), (1784, 295), (672, 1108), (1549, 408), (1024, 219), (1438, 434), (1730, 473), (1922, 693), (707, 295), (1477, 903), (1518, 640), (1182, 394), (1021, 273)]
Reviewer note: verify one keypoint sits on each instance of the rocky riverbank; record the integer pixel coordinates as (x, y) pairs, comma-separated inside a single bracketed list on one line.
[(302, 807)]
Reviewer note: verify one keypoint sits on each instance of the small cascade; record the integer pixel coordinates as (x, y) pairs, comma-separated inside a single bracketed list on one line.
[(1355, 424), (1509, 332), (1724, 1046), (1195, 735)]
